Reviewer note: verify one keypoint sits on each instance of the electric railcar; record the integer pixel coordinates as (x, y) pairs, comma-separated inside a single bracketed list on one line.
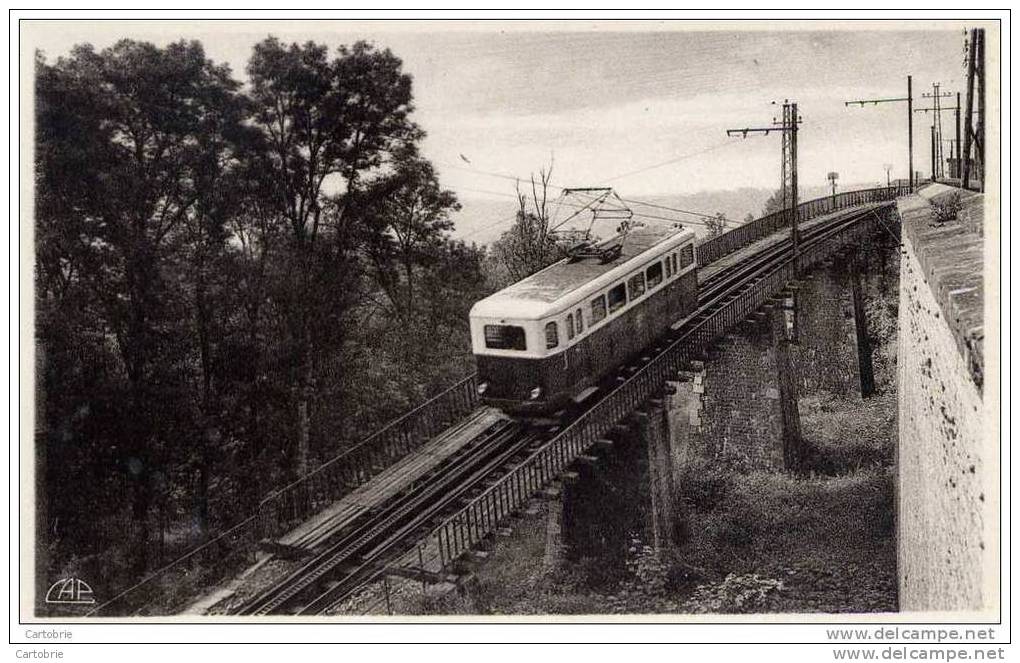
[(546, 342)]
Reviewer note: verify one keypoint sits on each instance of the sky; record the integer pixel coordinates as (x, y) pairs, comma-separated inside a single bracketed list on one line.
[(643, 107)]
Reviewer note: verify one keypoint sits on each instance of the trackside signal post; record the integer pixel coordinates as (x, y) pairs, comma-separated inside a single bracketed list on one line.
[(788, 128)]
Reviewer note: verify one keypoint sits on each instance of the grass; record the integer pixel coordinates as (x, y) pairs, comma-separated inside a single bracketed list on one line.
[(848, 434)]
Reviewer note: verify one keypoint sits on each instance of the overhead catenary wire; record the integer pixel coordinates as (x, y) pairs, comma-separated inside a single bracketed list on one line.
[(668, 162), (514, 178), (512, 218), (561, 203)]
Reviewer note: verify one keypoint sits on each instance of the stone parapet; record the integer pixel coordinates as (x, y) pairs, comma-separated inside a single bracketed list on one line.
[(951, 258)]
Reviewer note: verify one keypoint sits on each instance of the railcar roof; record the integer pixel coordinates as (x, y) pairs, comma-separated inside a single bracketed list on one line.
[(531, 297)]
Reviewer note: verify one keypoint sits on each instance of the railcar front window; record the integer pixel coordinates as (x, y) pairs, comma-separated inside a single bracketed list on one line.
[(654, 274), (636, 286), (669, 267), (504, 337), (552, 335), (570, 326), (617, 298), (598, 309), (579, 321)]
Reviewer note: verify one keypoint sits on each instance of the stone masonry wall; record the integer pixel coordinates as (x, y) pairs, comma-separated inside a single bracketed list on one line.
[(825, 353), (739, 409), (733, 401), (944, 506)]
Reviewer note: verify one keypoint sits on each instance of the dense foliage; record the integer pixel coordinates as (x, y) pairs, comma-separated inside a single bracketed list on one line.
[(234, 282)]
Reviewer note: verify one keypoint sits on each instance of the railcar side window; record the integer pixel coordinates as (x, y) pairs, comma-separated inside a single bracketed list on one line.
[(617, 298), (672, 257), (636, 286), (669, 267), (686, 256), (504, 337), (654, 274), (579, 321), (598, 309), (570, 326), (552, 335)]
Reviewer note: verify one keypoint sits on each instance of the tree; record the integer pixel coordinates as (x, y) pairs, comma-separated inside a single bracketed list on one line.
[(716, 225), (410, 215), (203, 238), (326, 122), (774, 203), (224, 278), (529, 245), (749, 217), (125, 140)]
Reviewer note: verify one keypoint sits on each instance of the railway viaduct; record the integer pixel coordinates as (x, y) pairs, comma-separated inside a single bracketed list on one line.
[(740, 400), (770, 325)]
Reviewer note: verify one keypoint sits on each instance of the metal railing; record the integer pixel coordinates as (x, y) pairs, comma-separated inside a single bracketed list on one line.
[(750, 232), (302, 498), (168, 588), (163, 590), (480, 516)]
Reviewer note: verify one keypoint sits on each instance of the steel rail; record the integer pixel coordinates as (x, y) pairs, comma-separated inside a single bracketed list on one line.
[(391, 514), (753, 262), (336, 594)]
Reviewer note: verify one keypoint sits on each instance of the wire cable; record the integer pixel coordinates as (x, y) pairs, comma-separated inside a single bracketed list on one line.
[(668, 162)]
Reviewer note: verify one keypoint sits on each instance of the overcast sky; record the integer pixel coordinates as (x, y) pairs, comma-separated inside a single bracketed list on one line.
[(607, 100)]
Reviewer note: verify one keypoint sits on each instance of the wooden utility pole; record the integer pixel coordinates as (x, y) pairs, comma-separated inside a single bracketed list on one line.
[(959, 158), (975, 79), (910, 131), (788, 176), (910, 120), (980, 137)]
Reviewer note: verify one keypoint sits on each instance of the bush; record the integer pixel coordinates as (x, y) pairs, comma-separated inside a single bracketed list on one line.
[(848, 434), (947, 209), (735, 528), (703, 485), (747, 593)]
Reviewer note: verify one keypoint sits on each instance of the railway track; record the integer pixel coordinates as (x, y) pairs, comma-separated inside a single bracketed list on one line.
[(374, 537), (359, 553), (782, 247), (728, 284)]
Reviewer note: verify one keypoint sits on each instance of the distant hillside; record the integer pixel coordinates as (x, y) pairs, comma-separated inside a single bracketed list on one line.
[(481, 220)]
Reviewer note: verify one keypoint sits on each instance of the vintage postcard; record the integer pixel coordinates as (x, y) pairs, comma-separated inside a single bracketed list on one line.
[(678, 321)]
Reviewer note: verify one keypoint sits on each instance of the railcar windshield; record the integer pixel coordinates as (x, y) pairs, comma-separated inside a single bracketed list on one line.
[(505, 337)]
